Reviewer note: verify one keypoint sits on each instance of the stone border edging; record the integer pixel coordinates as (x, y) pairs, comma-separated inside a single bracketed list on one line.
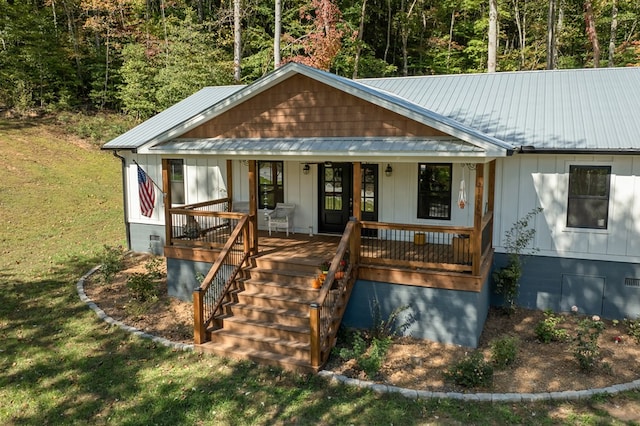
[(103, 316), (379, 387)]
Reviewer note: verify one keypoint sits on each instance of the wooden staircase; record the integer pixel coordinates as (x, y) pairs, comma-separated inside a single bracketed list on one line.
[(266, 317)]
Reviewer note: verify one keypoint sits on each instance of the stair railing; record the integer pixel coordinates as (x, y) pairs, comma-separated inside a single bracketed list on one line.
[(208, 298), (326, 312)]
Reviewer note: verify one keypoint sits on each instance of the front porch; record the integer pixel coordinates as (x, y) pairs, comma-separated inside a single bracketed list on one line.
[(256, 299)]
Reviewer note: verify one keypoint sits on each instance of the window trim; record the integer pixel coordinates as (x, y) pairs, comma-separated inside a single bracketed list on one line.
[(586, 227), (172, 181), (422, 193)]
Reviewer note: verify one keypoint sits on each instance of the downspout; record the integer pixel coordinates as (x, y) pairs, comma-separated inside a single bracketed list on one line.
[(125, 205)]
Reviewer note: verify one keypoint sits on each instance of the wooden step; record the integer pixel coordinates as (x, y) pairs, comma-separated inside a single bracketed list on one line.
[(273, 301), (295, 290), (256, 342), (291, 277), (261, 357), (246, 326), (295, 318), (309, 266)]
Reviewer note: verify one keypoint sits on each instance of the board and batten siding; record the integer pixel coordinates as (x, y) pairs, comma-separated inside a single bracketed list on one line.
[(524, 182)]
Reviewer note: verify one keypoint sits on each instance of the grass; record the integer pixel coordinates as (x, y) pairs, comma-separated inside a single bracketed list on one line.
[(60, 203)]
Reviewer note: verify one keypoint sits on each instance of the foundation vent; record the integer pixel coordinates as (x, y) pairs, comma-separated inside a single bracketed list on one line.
[(632, 282)]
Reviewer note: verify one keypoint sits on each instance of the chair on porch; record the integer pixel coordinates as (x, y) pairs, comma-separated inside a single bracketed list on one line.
[(281, 217)]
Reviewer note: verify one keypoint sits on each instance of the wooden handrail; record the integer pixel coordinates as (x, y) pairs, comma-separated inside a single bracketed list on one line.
[(416, 227), (206, 203), (206, 305), (323, 310)]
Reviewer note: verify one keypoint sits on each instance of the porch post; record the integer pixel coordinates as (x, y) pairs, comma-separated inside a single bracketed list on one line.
[(230, 184), (491, 198), (166, 187), (357, 190), (253, 207), (476, 242)]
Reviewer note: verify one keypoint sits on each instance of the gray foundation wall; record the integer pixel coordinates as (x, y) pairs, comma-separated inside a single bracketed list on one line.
[(147, 238), (447, 316), (182, 277), (608, 289)]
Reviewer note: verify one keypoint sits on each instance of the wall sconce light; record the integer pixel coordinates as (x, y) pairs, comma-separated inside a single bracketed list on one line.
[(388, 171), (306, 169)]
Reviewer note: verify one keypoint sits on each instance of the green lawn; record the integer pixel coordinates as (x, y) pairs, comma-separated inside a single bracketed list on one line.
[(59, 364)]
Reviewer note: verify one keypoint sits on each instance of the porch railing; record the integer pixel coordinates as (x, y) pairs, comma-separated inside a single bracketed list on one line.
[(326, 312), (208, 224), (447, 248), (208, 298)]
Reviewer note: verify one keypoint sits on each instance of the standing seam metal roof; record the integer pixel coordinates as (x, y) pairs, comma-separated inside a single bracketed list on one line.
[(583, 109)]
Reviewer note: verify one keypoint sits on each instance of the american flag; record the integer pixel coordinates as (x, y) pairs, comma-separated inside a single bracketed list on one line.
[(146, 192)]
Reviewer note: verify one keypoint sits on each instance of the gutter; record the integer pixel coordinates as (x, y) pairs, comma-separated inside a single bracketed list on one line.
[(528, 149), (125, 205)]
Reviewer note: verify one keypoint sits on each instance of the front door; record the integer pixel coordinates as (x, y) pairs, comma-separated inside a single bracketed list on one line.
[(335, 195)]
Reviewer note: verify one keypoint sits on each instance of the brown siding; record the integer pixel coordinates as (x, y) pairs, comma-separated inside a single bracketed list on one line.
[(302, 107)]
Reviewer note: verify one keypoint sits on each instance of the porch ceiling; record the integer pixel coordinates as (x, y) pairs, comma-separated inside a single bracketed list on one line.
[(307, 149)]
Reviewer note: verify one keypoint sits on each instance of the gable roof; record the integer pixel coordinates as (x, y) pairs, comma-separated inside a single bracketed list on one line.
[(195, 110), (560, 110)]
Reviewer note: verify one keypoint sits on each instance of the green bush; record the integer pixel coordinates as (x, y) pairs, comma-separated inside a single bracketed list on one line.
[(504, 351), (633, 328), (111, 261), (471, 371), (547, 330), (369, 356), (586, 350), (142, 287)]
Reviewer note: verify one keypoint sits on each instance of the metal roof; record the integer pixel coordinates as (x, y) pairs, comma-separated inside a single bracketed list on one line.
[(578, 109), (305, 148), (171, 117)]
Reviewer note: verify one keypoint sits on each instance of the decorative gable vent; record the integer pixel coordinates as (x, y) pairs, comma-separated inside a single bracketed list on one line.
[(632, 282)]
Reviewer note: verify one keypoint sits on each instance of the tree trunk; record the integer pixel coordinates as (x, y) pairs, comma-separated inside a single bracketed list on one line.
[(359, 42), (453, 20), (551, 35), (386, 48), (276, 35), (591, 32), (493, 35), (614, 31), (236, 41), (558, 31)]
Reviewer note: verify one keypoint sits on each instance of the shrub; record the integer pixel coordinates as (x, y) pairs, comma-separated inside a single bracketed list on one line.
[(111, 261), (383, 328), (504, 351), (368, 357), (586, 350), (547, 330), (142, 287), (470, 371), (516, 240), (633, 328)]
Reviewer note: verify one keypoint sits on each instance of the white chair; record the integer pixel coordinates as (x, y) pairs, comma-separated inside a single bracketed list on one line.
[(281, 217)]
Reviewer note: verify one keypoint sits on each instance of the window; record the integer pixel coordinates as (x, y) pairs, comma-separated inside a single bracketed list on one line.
[(176, 180), (588, 204), (270, 184), (434, 191)]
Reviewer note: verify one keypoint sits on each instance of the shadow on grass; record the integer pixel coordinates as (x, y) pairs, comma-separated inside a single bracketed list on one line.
[(63, 365)]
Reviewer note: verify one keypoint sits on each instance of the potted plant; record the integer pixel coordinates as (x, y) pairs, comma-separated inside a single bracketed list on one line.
[(324, 267)]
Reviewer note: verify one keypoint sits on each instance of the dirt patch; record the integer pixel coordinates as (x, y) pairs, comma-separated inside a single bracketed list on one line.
[(413, 363)]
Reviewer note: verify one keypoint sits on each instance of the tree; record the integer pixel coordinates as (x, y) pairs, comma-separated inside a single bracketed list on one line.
[(321, 45), (493, 36), (551, 35), (592, 34)]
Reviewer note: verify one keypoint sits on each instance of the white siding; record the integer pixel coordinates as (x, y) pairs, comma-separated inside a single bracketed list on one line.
[(524, 182)]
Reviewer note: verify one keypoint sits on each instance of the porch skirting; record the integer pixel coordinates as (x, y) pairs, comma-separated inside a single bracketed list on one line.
[(441, 315), (182, 277)]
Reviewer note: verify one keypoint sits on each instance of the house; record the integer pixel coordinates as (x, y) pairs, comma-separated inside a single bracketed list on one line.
[(406, 184)]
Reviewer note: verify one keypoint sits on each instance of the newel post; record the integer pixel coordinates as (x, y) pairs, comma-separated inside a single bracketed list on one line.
[(314, 322), (198, 318)]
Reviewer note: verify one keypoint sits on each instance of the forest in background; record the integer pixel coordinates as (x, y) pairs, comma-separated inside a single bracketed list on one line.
[(141, 56)]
